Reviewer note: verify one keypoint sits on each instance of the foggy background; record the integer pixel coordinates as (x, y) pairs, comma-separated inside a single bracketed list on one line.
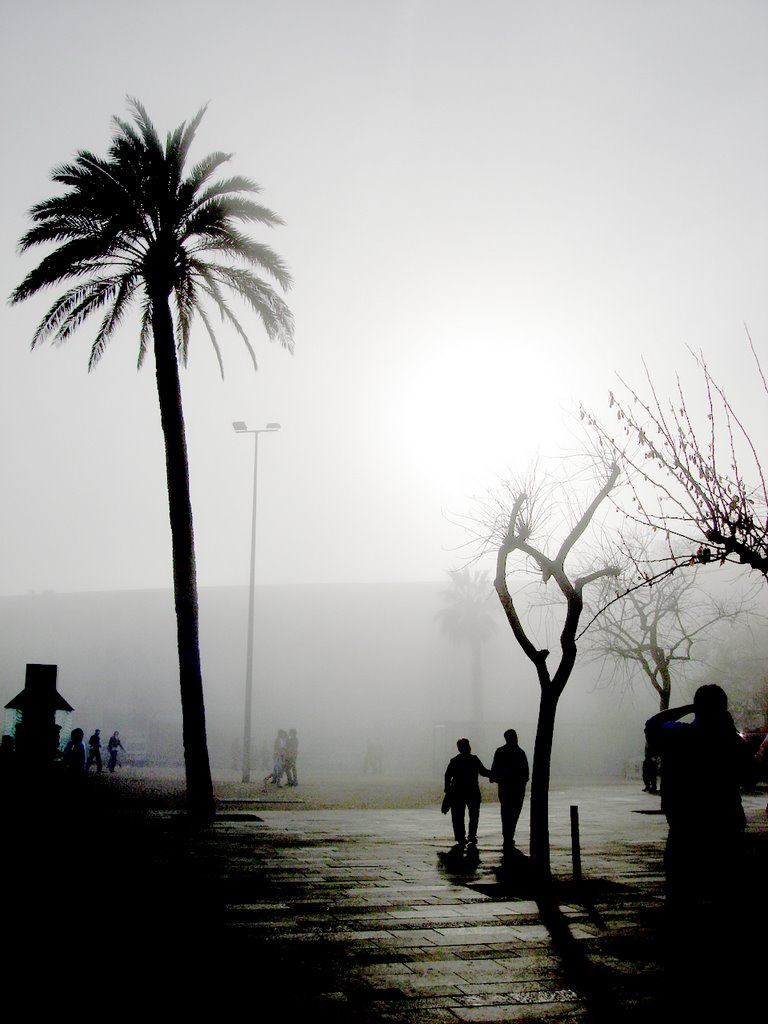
[(348, 666), (490, 210)]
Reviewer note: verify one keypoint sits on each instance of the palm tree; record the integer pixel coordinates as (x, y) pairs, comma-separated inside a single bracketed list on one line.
[(135, 226), (466, 618)]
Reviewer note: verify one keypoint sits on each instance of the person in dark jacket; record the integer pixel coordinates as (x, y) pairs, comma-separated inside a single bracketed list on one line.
[(703, 766), (94, 750), (463, 789), (510, 771)]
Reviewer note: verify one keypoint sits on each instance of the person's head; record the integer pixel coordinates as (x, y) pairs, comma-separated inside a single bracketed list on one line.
[(97, 732), (511, 737), (116, 734), (710, 702), (463, 746), (77, 735)]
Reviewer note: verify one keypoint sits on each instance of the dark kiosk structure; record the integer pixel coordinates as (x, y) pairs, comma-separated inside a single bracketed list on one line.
[(37, 734)]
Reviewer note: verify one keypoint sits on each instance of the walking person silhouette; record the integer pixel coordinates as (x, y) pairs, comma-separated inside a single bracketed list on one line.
[(509, 771), (463, 789)]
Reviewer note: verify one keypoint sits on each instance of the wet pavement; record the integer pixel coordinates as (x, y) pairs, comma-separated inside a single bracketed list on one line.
[(371, 915)]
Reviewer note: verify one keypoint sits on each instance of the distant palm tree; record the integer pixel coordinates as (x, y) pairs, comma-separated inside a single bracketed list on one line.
[(135, 226), (466, 618)]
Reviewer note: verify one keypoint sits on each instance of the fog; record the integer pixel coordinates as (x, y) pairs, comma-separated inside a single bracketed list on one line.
[(346, 666), (490, 211)]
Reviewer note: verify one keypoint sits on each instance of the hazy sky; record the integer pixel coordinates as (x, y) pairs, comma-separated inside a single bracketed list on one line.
[(490, 208)]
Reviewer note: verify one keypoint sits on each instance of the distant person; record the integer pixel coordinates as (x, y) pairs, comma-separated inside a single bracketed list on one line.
[(650, 770), (761, 760), (462, 788), (94, 751), (703, 765), (113, 745), (278, 758), (509, 771), (73, 757), (291, 755)]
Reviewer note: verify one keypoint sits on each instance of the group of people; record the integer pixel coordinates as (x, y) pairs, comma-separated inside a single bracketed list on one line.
[(509, 770), (75, 758), (705, 765), (284, 756)]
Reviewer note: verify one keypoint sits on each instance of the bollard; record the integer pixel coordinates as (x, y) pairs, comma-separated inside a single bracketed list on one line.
[(575, 845)]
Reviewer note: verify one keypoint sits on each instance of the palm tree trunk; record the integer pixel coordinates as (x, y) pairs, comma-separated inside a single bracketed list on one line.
[(477, 680), (198, 772)]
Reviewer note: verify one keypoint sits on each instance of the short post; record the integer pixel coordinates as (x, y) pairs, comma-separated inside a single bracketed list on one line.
[(575, 844)]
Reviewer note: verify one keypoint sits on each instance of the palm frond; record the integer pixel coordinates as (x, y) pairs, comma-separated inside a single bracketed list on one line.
[(240, 208), (77, 258), (227, 186), (148, 131), (213, 291), (188, 134), (230, 242), (112, 320), (145, 333), (263, 300), (73, 307), (202, 171), (186, 303), (212, 336)]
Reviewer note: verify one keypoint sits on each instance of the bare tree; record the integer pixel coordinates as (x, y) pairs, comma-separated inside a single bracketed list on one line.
[(650, 627), (702, 484), (511, 524), (740, 667), (466, 618)]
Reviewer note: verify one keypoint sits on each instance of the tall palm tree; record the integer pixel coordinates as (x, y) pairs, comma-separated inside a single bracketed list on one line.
[(466, 619), (136, 226)]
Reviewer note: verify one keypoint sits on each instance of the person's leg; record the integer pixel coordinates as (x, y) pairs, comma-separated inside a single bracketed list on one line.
[(457, 820), (474, 817), (511, 807)]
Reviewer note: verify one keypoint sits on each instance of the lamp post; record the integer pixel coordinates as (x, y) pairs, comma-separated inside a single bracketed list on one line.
[(241, 428)]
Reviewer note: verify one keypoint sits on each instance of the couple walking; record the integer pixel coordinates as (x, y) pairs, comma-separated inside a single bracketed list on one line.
[(462, 788)]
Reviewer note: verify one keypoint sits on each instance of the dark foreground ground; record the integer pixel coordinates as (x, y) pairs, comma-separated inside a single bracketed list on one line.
[(296, 906)]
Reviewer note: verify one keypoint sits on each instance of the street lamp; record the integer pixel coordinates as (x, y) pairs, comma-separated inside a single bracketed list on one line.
[(242, 428)]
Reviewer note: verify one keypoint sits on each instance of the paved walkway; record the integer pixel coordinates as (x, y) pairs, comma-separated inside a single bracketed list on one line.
[(370, 916)]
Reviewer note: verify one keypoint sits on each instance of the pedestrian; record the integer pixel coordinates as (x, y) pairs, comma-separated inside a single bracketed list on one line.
[(650, 770), (703, 766), (94, 751), (291, 754), (73, 757), (113, 745), (278, 758), (462, 789), (509, 771)]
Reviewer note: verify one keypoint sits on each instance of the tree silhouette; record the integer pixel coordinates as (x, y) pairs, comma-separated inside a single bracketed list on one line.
[(137, 227), (649, 627), (512, 523), (700, 482), (466, 619)]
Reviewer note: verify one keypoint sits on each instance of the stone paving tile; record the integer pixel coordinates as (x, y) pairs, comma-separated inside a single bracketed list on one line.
[(408, 938), (479, 933), (361, 905), (463, 968), (517, 1012)]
